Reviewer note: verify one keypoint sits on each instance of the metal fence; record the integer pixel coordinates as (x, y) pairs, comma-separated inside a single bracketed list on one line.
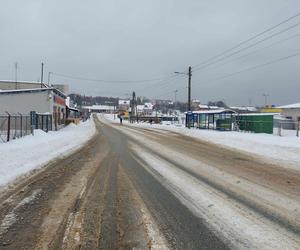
[(287, 128), (41, 121), (13, 126)]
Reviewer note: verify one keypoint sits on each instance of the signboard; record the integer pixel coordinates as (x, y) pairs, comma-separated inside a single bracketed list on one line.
[(58, 100)]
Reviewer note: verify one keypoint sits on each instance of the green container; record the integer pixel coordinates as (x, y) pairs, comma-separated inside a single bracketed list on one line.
[(257, 123)]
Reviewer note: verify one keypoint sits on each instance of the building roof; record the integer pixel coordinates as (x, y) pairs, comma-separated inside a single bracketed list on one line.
[(244, 108), (290, 106), (258, 114), (16, 91), (215, 111)]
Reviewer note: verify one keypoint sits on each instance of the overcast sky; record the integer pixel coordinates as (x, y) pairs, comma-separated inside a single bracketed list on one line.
[(132, 40)]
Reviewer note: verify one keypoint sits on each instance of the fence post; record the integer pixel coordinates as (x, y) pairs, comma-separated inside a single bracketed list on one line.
[(32, 121), (15, 126), (26, 121), (279, 128), (47, 123), (8, 127), (21, 124)]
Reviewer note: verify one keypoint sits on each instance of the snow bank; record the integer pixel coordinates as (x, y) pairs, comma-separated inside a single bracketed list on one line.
[(20, 156), (282, 150)]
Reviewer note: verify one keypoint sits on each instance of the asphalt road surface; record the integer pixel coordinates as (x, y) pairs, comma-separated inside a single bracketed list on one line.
[(135, 188)]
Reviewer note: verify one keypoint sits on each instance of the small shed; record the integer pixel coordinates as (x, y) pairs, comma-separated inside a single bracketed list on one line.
[(219, 119)]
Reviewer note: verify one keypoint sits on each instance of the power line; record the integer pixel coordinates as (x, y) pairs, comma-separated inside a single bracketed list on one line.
[(164, 83), (248, 40), (255, 51), (110, 81), (248, 47), (254, 67)]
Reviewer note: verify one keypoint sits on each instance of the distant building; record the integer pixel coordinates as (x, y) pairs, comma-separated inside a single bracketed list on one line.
[(291, 111), (99, 108), (124, 105), (145, 109)]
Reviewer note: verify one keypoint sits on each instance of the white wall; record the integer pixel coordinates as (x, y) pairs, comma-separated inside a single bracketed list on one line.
[(294, 113), (25, 102)]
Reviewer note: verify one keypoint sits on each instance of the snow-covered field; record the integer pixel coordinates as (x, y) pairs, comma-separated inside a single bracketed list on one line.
[(284, 150), (20, 156)]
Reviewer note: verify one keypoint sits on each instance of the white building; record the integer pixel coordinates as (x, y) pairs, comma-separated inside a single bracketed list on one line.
[(12, 85), (291, 111), (124, 105), (100, 108), (40, 100), (145, 109)]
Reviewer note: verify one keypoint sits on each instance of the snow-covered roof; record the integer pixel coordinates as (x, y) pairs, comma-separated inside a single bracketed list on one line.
[(148, 105), (257, 114), (99, 107), (244, 108), (140, 107), (290, 106), (24, 90), (213, 111), (203, 106), (15, 91)]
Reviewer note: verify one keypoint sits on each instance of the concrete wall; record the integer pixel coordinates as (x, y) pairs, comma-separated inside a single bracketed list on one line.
[(25, 102), (294, 113)]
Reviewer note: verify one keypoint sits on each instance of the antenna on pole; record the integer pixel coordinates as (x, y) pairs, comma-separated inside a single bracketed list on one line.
[(16, 74), (42, 75)]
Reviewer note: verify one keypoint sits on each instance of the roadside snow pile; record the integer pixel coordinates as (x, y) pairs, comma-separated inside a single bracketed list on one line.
[(22, 155), (283, 150)]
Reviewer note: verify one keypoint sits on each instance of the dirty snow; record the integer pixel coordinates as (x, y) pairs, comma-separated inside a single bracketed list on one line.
[(20, 156), (244, 229)]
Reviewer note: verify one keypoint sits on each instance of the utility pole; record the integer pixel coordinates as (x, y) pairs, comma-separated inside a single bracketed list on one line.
[(16, 74), (133, 113), (175, 98), (42, 75), (189, 88), (266, 99)]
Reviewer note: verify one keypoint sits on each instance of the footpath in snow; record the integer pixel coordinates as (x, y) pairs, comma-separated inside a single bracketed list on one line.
[(282, 150), (20, 156)]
